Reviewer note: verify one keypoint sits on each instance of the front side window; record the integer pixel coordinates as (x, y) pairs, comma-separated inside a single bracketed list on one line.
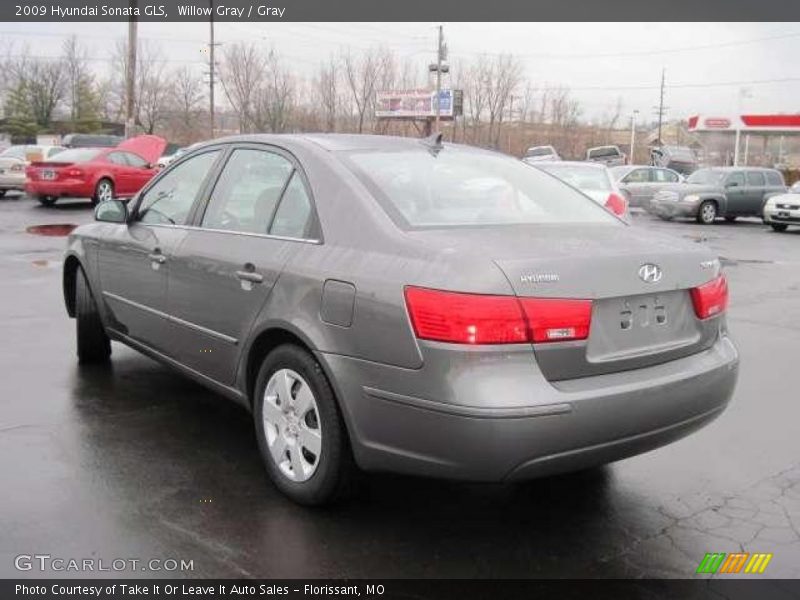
[(454, 187), (638, 176), (171, 197), (134, 160), (118, 158), (735, 179), (245, 197)]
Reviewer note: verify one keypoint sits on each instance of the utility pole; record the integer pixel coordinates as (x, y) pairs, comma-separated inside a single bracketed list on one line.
[(211, 65), (439, 76), (633, 136), (130, 76), (661, 107)]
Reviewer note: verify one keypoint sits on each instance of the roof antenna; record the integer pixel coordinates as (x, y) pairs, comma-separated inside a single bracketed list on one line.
[(434, 142)]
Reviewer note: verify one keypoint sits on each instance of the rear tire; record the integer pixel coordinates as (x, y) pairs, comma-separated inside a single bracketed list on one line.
[(780, 227), (2, 193), (707, 213), (301, 434), (93, 343), (104, 190), (47, 200)]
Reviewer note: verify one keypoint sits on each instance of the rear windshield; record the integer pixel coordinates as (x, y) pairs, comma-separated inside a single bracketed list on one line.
[(584, 178), (604, 151), (541, 151), (456, 187), (74, 155), (705, 177)]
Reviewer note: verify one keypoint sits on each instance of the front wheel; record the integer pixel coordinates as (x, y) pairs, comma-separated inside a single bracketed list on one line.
[(301, 434), (104, 190), (707, 212), (93, 343), (779, 226)]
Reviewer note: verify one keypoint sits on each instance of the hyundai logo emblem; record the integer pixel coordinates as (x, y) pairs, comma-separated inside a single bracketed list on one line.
[(650, 273)]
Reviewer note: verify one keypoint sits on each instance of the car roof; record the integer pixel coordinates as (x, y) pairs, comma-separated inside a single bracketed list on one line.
[(337, 142), (729, 169), (572, 163)]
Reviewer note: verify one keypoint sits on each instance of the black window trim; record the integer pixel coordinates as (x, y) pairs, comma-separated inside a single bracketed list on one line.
[(315, 236)]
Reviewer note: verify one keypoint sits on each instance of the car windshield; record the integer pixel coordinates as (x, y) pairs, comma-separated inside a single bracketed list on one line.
[(585, 178), (706, 177), (75, 155), (454, 187), (541, 151), (679, 153)]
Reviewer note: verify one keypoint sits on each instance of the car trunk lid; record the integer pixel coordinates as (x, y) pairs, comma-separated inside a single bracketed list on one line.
[(149, 147), (638, 282)]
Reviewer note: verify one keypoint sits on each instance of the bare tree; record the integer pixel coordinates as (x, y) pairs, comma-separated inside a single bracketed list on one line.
[(326, 88), (361, 77), (273, 103), (241, 74), (186, 96)]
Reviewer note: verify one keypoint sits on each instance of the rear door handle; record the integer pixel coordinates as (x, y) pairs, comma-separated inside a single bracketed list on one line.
[(157, 257), (250, 276)]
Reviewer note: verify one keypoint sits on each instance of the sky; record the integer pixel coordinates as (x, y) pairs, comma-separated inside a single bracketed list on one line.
[(711, 68)]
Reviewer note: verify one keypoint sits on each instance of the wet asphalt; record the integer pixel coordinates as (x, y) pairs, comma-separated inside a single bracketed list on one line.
[(134, 461)]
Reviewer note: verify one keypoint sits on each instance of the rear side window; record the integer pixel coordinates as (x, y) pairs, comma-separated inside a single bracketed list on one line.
[(454, 187), (774, 178), (638, 176), (735, 179), (169, 201), (245, 197), (755, 178), (294, 215), (664, 176)]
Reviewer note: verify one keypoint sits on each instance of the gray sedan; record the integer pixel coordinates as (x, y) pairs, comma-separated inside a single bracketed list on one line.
[(393, 304), (640, 183)]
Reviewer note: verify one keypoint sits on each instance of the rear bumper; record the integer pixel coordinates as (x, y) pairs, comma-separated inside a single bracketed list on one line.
[(10, 181), (504, 421), (68, 188)]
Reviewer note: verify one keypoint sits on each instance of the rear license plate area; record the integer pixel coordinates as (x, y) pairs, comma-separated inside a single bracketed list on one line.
[(48, 175), (630, 326)]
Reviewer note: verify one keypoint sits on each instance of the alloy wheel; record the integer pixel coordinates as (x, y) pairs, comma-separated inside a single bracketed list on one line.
[(292, 425), (708, 212), (104, 191)]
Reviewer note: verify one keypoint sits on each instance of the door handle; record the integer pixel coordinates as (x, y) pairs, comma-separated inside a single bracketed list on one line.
[(250, 276)]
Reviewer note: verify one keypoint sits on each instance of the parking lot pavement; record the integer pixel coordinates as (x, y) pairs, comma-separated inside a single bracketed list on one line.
[(134, 461)]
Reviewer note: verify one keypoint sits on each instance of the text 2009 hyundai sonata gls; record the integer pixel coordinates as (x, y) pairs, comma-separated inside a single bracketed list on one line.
[(402, 305)]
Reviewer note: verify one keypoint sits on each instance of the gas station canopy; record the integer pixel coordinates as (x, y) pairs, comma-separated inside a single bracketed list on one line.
[(763, 124)]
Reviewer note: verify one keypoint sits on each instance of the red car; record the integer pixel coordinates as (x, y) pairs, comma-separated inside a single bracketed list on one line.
[(96, 173)]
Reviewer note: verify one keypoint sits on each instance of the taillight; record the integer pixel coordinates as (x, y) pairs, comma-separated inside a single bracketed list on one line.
[(483, 319), (557, 319), (73, 173), (710, 299), (617, 204)]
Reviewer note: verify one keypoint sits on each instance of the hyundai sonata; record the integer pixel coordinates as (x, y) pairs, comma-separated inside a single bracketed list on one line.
[(394, 304)]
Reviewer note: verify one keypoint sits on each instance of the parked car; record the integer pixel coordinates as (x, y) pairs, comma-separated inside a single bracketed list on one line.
[(373, 307), (610, 156), (640, 183), (678, 158), (728, 192), (539, 153), (15, 159), (783, 210), (96, 173), (91, 140), (595, 181)]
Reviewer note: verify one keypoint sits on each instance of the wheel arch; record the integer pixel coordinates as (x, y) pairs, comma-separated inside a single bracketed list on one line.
[(69, 278)]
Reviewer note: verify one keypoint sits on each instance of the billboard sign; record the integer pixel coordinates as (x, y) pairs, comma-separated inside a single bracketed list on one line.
[(416, 104)]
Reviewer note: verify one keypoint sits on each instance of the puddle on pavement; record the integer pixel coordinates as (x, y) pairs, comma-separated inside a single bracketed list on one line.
[(51, 230)]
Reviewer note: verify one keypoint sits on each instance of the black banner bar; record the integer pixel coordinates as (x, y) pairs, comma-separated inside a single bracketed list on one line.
[(396, 589), (266, 11)]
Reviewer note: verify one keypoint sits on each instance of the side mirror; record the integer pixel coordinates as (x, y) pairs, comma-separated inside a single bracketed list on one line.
[(111, 211)]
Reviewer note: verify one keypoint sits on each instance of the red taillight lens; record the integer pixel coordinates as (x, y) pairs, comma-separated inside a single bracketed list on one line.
[(481, 319), (557, 319), (74, 173), (465, 318), (617, 204), (710, 299)]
